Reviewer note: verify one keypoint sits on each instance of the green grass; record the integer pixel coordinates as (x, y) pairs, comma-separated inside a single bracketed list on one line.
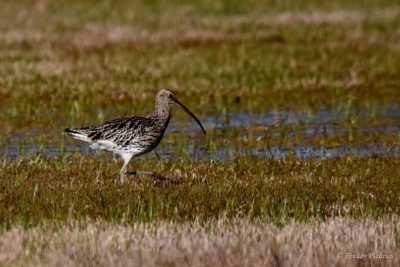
[(276, 191)]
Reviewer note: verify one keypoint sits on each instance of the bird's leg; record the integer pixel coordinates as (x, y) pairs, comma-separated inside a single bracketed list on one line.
[(141, 173), (122, 172), (158, 156), (152, 174)]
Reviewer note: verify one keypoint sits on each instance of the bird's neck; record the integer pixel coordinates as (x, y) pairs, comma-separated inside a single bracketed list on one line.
[(162, 110), (162, 114)]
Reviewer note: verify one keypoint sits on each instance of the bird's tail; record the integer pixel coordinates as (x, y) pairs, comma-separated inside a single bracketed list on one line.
[(80, 134)]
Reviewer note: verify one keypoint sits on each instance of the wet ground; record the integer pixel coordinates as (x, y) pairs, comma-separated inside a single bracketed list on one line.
[(326, 122)]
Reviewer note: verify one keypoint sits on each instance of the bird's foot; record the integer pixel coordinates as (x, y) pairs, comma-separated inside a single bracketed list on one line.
[(122, 177), (157, 176), (140, 173)]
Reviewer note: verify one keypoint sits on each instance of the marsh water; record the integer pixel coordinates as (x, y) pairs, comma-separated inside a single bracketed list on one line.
[(324, 123)]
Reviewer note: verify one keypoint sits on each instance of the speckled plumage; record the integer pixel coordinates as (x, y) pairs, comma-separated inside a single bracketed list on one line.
[(141, 134), (132, 136)]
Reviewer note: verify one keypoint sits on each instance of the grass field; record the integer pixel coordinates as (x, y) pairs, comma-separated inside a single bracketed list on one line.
[(338, 242), (300, 101)]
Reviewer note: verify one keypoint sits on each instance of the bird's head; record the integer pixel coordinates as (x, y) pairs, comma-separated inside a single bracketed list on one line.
[(167, 97)]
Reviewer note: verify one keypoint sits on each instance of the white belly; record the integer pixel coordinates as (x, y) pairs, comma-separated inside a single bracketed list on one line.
[(115, 148)]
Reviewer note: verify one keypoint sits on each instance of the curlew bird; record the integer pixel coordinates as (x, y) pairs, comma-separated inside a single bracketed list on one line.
[(132, 136)]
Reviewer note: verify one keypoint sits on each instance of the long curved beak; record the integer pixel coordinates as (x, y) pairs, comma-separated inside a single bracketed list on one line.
[(190, 113)]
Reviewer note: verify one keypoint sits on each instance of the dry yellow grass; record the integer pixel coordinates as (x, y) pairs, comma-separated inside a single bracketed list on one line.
[(200, 30), (336, 242)]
